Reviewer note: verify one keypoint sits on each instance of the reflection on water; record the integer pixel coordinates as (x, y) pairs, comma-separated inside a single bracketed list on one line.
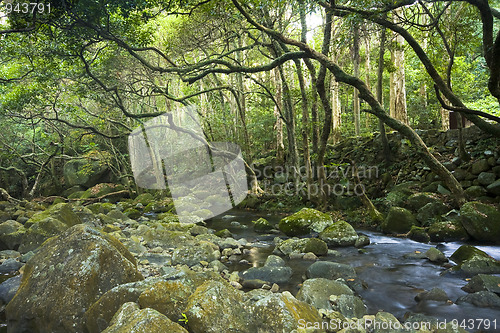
[(392, 280)]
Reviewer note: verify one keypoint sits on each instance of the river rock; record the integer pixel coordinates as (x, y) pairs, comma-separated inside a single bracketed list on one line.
[(419, 200), (435, 294), (282, 313), (447, 232), (482, 299), (330, 270), (46, 224), (494, 188), (348, 305), (273, 271), (304, 222), (314, 245), (474, 261), (432, 212), (216, 307), (9, 266), (262, 225), (482, 282), (480, 166), (399, 220), (434, 255), (340, 233), (481, 221), (475, 191), (9, 236), (192, 254), (132, 319), (362, 241), (418, 234), (317, 292), (400, 193), (65, 277), (9, 288), (486, 178)]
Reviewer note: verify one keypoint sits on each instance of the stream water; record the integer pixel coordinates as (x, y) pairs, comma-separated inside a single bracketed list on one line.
[(392, 281)]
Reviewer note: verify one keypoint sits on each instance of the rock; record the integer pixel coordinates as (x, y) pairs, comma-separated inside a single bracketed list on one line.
[(192, 254), (386, 321), (400, 193), (460, 174), (482, 282), (262, 225), (224, 233), (434, 255), (317, 292), (481, 221), (399, 220), (443, 190), (362, 241), (281, 312), (65, 277), (447, 232), (130, 318), (330, 270), (418, 234), (9, 266), (349, 306), (419, 200), (340, 233), (435, 294), (273, 271), (475, 191), (486, 178), (431, 212), (216, 307), (144, 199), (314, 245), (494, 188), (9, 288), (480, 166), (304, 222), (481, 299), (10, 238), (474, 261), (310, 256), (84, 172), (132, 213)]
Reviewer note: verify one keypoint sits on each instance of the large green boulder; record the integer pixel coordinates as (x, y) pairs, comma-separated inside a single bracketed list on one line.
[(132, 319), (399, 220), (317, 292), (84, 172), (65, 277), (46, 224), (419, 200), (481, 221), (10, 238), (473, 261), (305, 245), (305, 221), (262, 225), (216, 307), (340, 233), (448, 231)]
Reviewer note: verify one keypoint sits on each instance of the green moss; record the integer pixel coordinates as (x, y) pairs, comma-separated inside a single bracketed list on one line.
[(262, 225), (304, 222)]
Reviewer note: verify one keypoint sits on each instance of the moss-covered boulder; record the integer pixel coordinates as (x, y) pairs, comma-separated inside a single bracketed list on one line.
[(317, 292), (432, 212), (84, 172), (481, 221), (273, 271), (448, 231), (132, 319), (262, 225), (314, 245), (216, 307), (419, 200), (340, 233), (194, 253), (473, 261), (399, 220), (400, 193), (144, 199), (305, 221), (132, 213), (65, 277), (283, 313), (483, 282), (10, 238), (46, 224), (418, 234)]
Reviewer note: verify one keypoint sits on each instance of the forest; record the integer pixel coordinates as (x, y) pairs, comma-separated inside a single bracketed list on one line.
[(250, 166)]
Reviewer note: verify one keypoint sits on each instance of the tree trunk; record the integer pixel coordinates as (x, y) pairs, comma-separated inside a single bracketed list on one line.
[(356, 61), (280, 147), (398, 82), (380, 80)]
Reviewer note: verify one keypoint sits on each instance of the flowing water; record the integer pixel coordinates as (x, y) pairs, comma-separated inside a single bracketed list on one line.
[(392, 281)]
